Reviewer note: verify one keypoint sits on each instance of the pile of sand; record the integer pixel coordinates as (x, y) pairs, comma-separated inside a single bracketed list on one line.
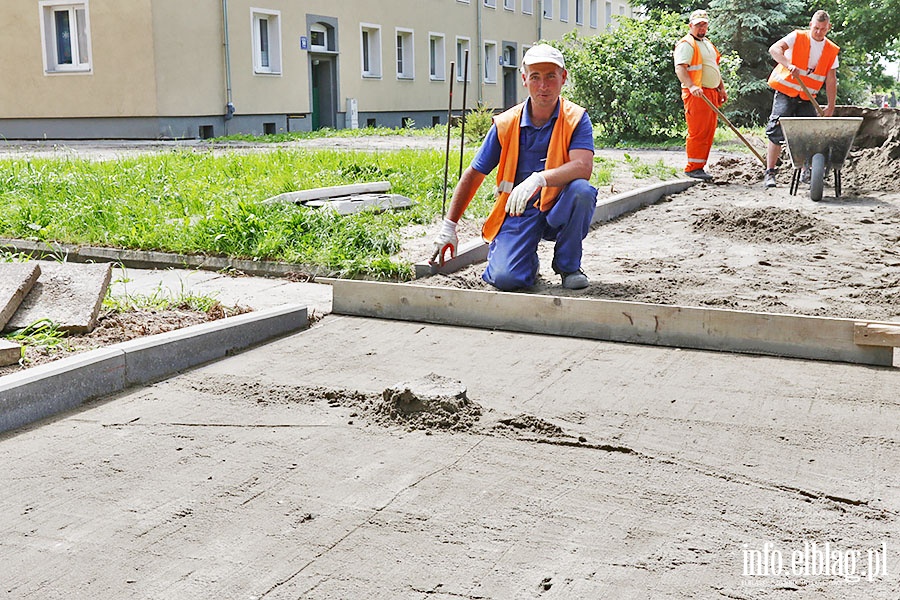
[(765, 224), (434, 402)]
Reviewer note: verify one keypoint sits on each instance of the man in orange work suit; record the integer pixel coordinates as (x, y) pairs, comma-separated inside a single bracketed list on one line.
[(697, 68)]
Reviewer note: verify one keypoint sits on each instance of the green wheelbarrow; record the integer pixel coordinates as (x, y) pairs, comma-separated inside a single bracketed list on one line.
[(822, 144)]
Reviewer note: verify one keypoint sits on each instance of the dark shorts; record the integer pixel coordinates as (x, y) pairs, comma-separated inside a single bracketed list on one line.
[(786, 106)]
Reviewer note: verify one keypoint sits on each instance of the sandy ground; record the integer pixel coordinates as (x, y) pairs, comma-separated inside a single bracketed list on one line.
[(735, 244), (577, 469)]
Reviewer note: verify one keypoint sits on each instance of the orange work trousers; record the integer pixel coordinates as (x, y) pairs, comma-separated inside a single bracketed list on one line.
[(701, 126)]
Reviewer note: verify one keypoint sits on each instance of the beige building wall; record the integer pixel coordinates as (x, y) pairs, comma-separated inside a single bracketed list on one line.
[(166, 59)]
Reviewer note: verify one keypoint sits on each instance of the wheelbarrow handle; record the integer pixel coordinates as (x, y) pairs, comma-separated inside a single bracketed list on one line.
[(733, 128)]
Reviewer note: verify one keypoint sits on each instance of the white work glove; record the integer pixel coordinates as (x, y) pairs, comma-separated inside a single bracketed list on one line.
[(446, 239), (522, 193)]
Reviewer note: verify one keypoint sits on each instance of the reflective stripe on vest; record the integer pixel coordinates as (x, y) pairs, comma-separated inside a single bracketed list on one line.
[(782, 80)]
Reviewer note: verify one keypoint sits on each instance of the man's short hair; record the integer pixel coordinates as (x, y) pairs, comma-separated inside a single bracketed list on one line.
[(821, 16)]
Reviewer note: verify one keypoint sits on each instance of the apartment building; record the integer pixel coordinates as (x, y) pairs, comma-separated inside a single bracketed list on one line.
[(150, 69)]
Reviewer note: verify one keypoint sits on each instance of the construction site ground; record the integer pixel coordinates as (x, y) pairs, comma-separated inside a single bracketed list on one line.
[(578, 468)]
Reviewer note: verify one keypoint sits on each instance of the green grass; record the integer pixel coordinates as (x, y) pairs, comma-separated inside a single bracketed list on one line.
[(211, 202)]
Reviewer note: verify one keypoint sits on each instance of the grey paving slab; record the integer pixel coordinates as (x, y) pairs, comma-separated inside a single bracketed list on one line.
[(255, 292), (69, 294), (10, 352), (16, 280)]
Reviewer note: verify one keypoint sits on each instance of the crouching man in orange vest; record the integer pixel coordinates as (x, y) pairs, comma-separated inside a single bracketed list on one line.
[(697, 68), (813, 58), (543, 150)]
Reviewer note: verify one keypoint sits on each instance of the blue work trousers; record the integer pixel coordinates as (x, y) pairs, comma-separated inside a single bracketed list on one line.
[(512, 261)]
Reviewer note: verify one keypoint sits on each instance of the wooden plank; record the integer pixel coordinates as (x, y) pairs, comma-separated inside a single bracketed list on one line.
[(877, 334), (775, 334), (331, 192)]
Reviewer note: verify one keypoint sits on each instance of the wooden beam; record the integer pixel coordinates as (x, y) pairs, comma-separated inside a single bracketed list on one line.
[(877, 334), (774, 334)]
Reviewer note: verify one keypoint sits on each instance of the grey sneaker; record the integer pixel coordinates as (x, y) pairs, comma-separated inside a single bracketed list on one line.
[(575, 281), (805, 175), (769, 178)]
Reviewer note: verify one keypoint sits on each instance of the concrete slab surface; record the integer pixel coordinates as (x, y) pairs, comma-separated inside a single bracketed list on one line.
[(69, 294), (16, 280), (596, 470)]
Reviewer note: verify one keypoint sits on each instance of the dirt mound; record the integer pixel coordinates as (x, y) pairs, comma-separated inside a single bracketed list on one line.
[(737, 169), (528, 423), (435, 402), (765, 224), (874, 168)]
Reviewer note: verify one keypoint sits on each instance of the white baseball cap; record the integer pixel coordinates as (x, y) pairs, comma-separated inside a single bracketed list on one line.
[(544, 53), (699, 16)]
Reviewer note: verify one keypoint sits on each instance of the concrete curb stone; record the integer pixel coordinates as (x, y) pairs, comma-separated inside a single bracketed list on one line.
[(49, 389)]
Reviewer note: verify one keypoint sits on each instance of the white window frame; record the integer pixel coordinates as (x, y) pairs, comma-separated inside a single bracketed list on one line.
[(370, 45), (548, 9), (527, 7), (437, 56), (579, 12), (406, 66), (607, 15), (564, 11), (80, 50), (509, 5), (490, 3), (318, 28), (595, 15), (491, 61), (273, 40), (463, 44)]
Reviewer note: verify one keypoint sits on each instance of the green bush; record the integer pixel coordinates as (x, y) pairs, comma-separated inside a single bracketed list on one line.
[(478, 122), (626, 79)]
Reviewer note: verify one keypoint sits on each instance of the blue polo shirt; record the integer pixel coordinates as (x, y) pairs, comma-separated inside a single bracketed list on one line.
[(533, 144)]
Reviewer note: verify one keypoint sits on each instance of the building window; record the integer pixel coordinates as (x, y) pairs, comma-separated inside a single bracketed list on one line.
[(509, 56), (579, 12), (436, 56), (462, 47), (491, 62), (66, 37), (371, 50), (318, 38), (266, 41), (405, 65), (509, 4), (564, 11), (608, 16), (490, 3), (548, 9), (594, 14), (527, 7)]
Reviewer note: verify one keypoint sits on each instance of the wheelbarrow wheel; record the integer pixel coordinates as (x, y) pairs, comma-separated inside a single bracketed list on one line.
[(817, 177)]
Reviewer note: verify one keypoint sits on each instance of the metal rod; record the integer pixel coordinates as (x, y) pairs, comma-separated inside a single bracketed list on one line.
[(447, 150), (462, 135), (733, 128)]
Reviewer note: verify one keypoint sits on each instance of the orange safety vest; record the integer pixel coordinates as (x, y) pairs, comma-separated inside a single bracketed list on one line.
[(507, 124), (781, 78), (695, 69)]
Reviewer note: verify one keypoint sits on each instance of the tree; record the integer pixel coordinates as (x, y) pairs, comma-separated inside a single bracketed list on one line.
[(748, 28), (625, 77)]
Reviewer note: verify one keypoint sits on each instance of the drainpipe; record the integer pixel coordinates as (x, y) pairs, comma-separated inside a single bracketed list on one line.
[(229, 105), (480, 52), (540, 16)]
